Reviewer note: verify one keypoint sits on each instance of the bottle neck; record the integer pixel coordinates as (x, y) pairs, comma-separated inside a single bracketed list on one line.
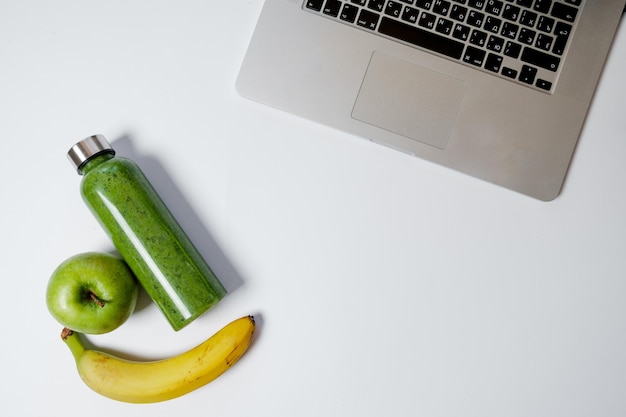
[(94, 161)]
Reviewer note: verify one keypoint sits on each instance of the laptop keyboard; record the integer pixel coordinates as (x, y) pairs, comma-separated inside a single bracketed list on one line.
[(524, 41)]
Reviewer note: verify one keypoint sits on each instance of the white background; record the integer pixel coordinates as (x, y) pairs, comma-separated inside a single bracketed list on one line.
[(383, 285)]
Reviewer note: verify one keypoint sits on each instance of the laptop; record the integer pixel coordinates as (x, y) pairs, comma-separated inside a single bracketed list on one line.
[(496, 89)]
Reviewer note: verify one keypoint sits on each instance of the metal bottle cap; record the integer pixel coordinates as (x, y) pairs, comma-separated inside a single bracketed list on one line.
[(87, 149)]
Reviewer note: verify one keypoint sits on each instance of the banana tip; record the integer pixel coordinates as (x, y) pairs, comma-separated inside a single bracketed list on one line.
[(65, 333)]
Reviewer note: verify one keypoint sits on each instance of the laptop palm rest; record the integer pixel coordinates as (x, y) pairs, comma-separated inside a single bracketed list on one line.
[(409, 100)]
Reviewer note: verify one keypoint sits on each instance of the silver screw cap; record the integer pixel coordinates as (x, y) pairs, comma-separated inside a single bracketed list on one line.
[(87, 149)]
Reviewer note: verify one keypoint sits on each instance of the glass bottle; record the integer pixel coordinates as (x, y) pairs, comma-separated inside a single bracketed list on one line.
[(145, 233)]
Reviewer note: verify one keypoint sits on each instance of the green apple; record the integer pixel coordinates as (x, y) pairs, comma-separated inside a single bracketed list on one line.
[(92, 293)]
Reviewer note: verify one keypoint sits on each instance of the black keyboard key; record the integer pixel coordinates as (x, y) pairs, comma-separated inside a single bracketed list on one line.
[(511, 12), (461, 32), (495, 44), (544, 42), (476, 4), (527, 36), (512, 49), (478, 38), (510, 30), (527, 74), (368, 19), (314, 4), (543, 84), (424, 4), (563, 29), (545, 24), (509, 72), (349, 13), (441, 7), (542, 6), (394, 8), (359, 2), (528, 18), (564, 12), (458, 12), (562, 32), (420, 37), (493, 24), (410, 14), (494, 7), (540, 59), (474, 56), (524, 3), (574, 2), (493, 63), (444, 26), (332, 7), (427, 20), (376, 5), (475, 18)]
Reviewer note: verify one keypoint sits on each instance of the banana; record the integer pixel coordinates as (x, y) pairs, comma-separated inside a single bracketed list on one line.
[(161, 380)]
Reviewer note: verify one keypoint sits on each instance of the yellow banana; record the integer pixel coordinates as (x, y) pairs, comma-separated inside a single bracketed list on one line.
[(153, 381)]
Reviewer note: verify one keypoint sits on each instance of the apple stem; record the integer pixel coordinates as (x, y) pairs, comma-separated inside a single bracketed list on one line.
[(96, 300)]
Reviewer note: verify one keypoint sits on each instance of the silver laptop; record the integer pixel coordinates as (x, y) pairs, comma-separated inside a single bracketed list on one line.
[(497, 89)]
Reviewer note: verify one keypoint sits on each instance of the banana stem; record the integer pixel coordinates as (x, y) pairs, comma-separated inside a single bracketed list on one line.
[(72, 340)]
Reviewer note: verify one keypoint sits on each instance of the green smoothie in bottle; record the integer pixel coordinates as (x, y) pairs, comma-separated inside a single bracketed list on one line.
[(145, 233)]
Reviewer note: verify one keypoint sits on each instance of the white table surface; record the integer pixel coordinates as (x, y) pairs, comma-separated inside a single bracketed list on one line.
[(383, 285)]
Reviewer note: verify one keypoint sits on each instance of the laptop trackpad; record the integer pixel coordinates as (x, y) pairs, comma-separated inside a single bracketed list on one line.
[(409, 100)]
